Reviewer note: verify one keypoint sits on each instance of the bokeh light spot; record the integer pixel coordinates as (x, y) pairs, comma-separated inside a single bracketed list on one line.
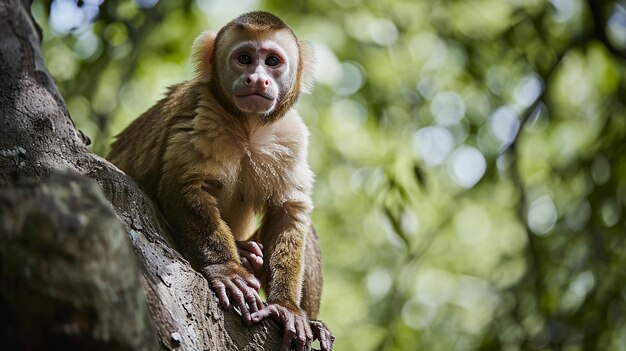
[(467, 166), (504, 125), (433, 144), (542, 215), (448, 108)]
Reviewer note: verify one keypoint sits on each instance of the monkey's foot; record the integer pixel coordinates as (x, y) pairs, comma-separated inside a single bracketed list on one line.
[(251, 255), (295, 325), (321, 333)]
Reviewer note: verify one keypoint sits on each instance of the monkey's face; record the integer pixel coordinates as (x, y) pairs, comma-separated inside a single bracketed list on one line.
[(259, 69)]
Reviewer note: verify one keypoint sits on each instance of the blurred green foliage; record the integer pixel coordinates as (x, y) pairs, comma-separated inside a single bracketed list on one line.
[(470, 155)]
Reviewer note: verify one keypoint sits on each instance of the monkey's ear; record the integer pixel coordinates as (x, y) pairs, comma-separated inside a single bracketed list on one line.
[(203, 48), (309, 62)]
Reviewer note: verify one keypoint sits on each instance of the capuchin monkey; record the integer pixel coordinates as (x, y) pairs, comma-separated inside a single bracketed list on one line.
[(225, 148)]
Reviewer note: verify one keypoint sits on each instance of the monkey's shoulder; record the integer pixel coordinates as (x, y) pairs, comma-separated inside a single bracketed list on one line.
[(178, 104)]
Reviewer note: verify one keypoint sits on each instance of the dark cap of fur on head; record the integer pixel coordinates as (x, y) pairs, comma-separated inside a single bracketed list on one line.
[(259, 20)]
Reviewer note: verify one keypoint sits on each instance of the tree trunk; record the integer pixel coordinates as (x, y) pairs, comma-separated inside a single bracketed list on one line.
[(67, 278)]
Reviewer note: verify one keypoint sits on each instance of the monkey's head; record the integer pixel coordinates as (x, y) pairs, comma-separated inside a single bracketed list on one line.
[(255, 65)]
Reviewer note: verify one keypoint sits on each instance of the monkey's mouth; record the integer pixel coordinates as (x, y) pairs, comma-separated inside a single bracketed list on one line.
[(255, 102), (265, 96)]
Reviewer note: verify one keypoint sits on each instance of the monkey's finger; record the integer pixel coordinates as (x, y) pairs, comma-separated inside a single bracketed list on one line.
[(326, 339), (251, 262), (309, 334), (323, 338), (260, 315), (220, 291), (246, 264), (299, 338), (251, 246), (255, 263), (245, 253), (259, 301), (303, 335), (249, 295), (255, 303), (239, 300), (252, 282), (322, 333), (268, 311), (290, 331), (332, 341)]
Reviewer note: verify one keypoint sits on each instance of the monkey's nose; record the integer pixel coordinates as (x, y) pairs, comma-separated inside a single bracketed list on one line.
[(262, 82)]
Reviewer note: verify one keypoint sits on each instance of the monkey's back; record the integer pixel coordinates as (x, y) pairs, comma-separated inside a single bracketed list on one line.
[(139, 148)]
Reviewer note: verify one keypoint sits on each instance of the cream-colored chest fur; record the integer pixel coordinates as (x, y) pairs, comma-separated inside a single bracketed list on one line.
[(256, 165)]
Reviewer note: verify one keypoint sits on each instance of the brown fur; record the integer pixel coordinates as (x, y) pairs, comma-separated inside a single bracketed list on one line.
[(212, 169)]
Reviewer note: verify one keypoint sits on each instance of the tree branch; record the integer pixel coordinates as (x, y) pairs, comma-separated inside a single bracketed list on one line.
[(37, 136)]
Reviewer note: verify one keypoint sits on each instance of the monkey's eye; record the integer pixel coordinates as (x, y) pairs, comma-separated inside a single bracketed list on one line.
[(244, 59), (272, 61)]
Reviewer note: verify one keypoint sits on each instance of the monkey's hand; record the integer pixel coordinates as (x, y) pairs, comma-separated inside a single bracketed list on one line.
[(251, 255), (231, 281), (294, 322)]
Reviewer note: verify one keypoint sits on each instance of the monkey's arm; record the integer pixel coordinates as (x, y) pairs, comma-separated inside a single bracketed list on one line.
[(205, 238), (286, 252), (283, 236)]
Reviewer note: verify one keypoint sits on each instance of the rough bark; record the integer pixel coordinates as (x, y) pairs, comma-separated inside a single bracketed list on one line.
[(37, 137), (69, 279)]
